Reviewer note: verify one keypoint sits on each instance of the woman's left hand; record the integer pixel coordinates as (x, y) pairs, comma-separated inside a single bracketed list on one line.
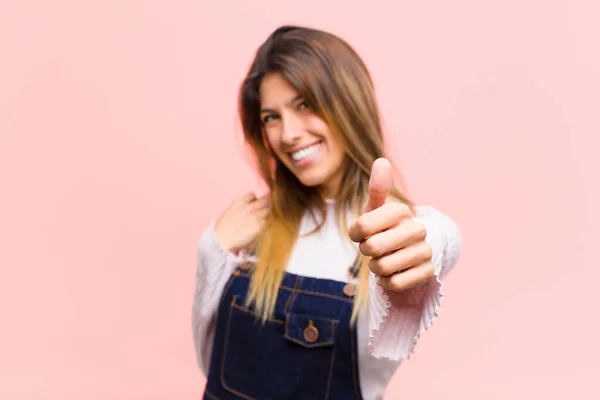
[(387, 233)]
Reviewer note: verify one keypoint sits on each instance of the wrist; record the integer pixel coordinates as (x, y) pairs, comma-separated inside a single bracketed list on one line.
[(223, 241)]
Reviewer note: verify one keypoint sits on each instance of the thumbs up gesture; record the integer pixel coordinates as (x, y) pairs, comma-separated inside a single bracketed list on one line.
[(386, 232)]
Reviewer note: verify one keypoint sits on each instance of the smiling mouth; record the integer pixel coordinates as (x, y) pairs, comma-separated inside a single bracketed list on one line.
[(306, 152)]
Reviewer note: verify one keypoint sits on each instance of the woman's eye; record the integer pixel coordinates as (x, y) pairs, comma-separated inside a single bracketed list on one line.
[(303, 105), (268, 118)]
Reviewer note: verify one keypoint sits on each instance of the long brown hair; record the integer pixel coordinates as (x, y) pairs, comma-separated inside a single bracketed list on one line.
[(336, 84)]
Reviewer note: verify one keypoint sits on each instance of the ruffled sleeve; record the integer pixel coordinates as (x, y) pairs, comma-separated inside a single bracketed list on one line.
[(396, 319), (214, 267)]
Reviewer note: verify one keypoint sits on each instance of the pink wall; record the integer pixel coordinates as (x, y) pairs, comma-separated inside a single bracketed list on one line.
[(108, 179)]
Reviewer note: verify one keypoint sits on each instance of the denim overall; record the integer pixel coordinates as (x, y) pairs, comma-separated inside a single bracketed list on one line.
[(306, 351)]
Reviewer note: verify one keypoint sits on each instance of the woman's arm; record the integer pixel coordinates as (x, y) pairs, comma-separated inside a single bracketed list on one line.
[(214, 267), (396, 319)]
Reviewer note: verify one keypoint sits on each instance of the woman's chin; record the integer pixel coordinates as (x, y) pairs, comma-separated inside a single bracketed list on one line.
[(313, 180), (313, 177)]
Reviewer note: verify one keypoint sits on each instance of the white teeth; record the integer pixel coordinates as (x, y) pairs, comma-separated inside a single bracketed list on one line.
[(307, 152)]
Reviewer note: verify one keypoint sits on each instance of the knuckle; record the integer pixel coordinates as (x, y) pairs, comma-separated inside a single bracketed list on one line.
[(364, 248), (247, 197), (396, 283), (383, 267), (427, 251), (370, 247), (419, 230), (374, 266), (378, 266), (359, 227), (401, 211), (384, 283), (430, 271), (395, 287), (401, 208), (395, 210)]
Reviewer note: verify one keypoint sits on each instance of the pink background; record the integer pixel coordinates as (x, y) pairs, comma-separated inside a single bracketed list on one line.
[(118, 145)]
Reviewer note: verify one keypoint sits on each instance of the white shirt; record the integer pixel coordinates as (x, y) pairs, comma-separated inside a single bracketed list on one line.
[(389, 326)]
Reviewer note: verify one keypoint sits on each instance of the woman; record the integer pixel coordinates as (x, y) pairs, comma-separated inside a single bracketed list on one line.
[(321, 288)]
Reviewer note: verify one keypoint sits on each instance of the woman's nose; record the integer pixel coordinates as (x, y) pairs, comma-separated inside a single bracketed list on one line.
[(291, 130)]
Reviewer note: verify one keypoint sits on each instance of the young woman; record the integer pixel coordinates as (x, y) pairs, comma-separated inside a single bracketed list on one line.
[(319, 289)]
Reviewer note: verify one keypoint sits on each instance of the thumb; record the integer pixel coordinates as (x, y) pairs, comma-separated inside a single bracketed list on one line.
[(380, 184)]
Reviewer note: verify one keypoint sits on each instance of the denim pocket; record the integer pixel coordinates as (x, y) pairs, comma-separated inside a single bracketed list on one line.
[(310, 331), (289, 358)]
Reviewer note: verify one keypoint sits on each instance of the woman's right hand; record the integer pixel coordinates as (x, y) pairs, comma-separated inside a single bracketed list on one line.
[(240, 224)]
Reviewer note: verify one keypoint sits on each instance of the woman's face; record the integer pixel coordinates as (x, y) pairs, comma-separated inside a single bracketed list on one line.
[(300, 139)]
